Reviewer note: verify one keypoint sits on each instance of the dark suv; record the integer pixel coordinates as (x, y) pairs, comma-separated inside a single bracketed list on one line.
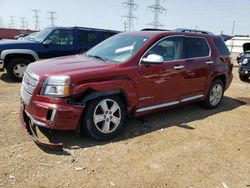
[(244, 63), (48, 43), (134, 73)]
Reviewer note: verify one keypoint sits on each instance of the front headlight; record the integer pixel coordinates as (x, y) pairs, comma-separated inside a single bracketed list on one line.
[(56, 86), (245, 61)]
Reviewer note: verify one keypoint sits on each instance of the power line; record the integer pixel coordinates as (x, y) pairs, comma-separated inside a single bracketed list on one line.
[(131, 6), (52, 18), (157, 9), (36, 17)]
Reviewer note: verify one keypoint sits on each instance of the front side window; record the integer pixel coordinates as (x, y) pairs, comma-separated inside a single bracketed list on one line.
[(61, 37), (195, 47), (118, 48), (170, 49)]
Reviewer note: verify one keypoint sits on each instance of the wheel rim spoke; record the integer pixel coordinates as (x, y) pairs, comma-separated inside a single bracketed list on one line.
[(115, 120), (114, 108), (104, 106), (98, 118), (106, 127)]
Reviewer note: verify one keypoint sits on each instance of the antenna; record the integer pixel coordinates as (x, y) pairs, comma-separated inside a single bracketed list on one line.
[(52, 18), (157, 9), (36, 17), (131, 6)]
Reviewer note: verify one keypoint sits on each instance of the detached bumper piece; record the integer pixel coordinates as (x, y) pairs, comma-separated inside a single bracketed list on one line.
[(29, 126)]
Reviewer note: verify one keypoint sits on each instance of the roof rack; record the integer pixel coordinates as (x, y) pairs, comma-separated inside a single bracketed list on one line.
[(193, 31), (153, 29)]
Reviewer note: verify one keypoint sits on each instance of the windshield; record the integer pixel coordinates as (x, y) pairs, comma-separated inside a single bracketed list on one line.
[(118, 48), (40, 36)]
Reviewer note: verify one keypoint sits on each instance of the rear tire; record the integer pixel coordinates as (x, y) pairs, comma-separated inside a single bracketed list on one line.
[(243, 77), (215, 95), (16, 68), (104, 118)]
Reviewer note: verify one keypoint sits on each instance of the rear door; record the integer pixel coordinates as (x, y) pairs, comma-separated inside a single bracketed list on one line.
[(198, 62), (87, 39)]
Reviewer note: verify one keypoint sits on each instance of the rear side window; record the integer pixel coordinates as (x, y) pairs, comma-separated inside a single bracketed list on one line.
[(221, 47), (87, 37), (107, 35), (195, 47)]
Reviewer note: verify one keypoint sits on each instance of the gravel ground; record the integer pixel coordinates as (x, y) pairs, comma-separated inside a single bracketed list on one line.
[(187, 146)]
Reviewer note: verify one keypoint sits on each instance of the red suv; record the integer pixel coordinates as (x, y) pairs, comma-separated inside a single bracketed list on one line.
[(133, 73)]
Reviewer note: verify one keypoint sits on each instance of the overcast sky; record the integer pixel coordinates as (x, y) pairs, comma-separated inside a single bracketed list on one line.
[(212, 15)]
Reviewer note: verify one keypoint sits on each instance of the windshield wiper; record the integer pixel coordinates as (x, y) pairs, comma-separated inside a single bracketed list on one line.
[(97, 57)]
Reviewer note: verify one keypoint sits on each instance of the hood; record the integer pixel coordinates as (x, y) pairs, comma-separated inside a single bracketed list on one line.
[(246, 47), (69, 65), (14, 44)]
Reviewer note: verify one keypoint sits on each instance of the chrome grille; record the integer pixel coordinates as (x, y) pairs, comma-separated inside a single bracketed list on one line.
[(29, 83)]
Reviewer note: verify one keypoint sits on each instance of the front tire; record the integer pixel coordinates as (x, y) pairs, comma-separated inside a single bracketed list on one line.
[(16, 68), (215, 95), (104, 118), (243, 77)]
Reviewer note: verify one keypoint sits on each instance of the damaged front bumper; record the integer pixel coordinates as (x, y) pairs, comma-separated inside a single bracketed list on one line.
[(29, 124)]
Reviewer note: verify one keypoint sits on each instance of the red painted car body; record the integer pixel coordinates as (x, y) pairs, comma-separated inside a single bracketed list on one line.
[(144, 88)]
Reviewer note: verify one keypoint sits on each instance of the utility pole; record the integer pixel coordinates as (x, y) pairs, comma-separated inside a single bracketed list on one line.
[(52, 18), (232, 33), (36, 17), (12, 24), (131, 6), (157, 9), (23, 23)]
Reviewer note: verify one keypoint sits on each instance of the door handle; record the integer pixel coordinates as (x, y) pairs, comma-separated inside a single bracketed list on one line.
[(178, 67), (209, 62)]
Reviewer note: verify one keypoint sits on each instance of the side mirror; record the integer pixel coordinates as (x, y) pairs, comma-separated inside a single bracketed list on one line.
[(153, 59), (47, 42)]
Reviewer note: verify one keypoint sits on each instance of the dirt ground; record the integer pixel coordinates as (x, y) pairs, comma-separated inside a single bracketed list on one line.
[(184, 147)]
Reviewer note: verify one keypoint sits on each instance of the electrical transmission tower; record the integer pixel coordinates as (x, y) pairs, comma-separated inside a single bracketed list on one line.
[(1, 22), (52, 18), (157, 9), (12, 23), (125, 26), (131, 6), (23, 23), (36, 17)]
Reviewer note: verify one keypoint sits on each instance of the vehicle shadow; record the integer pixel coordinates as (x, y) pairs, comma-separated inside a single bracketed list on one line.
[(5, 78), (179, 117)]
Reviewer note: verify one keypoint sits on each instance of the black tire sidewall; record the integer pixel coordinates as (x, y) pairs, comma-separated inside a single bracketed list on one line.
[(88, 122), (12, 63), (243, 77)]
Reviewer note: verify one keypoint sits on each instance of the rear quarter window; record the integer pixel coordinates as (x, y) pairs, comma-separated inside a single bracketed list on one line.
[(221, 47), (195, 47)]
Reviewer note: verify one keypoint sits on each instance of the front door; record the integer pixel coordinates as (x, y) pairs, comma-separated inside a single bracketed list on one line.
[(58, 43), (160, 84)]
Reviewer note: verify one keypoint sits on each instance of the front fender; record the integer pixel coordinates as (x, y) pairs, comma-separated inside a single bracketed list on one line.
[(126, 87), (19, 51)]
